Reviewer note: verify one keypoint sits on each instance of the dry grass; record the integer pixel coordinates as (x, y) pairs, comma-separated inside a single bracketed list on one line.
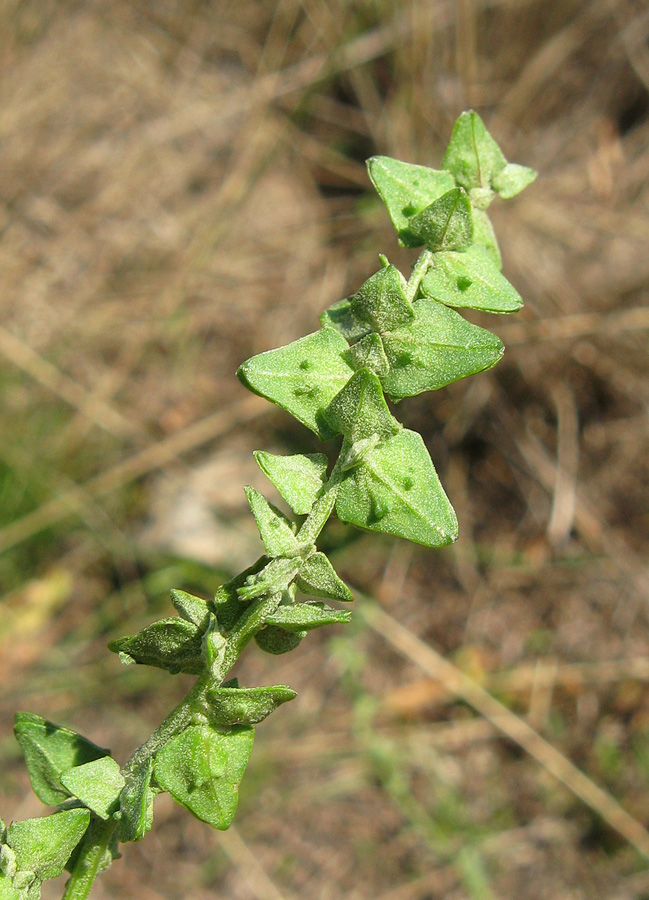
[(182, 185)]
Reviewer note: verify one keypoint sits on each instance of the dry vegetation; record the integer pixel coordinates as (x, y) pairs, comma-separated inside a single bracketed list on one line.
[(182, 185)]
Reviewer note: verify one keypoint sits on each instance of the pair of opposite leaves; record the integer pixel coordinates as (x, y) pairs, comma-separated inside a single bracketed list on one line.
[(405, 348)]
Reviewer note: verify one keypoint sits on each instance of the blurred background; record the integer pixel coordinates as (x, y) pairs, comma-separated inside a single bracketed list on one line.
[(182, 184)]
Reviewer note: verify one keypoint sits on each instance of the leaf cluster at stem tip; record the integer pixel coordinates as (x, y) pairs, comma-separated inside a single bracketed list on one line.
[(394, 338)]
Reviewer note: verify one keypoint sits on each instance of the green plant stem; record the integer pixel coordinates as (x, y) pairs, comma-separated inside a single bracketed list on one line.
[(98, 836), (90, 856), (424, 262)]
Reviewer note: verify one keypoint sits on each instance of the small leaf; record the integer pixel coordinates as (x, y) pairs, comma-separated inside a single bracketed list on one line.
[(473, 157), (382, 301), (470, 280), (274, 578), (214, 646), (50, 750), (340, 317), (300, 478), (485, 236), (275, 640), (302, 377), (201, 768), (406, 189), (172, 644), (360, 410), (368, 353), (302, 617), (446, 224), (245, 706), (512, 180), (192, 609), (396, 491), (97, 784), (439, 347), (136, 803), (43, 846), (7, 890), (318, 578), (227, 603), (274, 528)]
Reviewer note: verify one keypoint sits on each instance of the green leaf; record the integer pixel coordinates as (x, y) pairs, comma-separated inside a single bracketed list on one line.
[(318, 577), (302, 377), (227, 602), (368, 353), (214, 646), (360, 410), (172, 644), (406, 189), (473, 157), (439, 347), (300, 478), (192, 609), (201, 768), (274, 528), (245, 706), (512, 180), (43, 846), (136, 803), (50, 750), (470, 280), (485, 236), (446, 224), (302, 617), (97, 784), (396, 491), (340, 317), (274, 578), (7, 890), (382, 301), (275, 640)]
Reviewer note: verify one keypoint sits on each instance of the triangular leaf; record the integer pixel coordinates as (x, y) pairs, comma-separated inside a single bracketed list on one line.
[(192, 609), (301, 617), (275, 640), (274, 528), (172, 644), (512, 180), (368, 353), (97, 784), (50, 750), (245, 706), (446, 224), (473, 157), (201, 768), (302, 377), (485, 236), (406, 189), (470, 280), (382, 301), (318, 578), (396, 491), (340, 317), (43, 846), (360, 410), (299, 478), (439, 347), (136, 803)]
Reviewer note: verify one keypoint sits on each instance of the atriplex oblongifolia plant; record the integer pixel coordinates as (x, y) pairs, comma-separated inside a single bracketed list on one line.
[(393, 337)]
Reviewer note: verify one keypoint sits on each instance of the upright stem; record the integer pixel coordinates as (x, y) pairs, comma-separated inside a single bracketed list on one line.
[(91, 854)]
